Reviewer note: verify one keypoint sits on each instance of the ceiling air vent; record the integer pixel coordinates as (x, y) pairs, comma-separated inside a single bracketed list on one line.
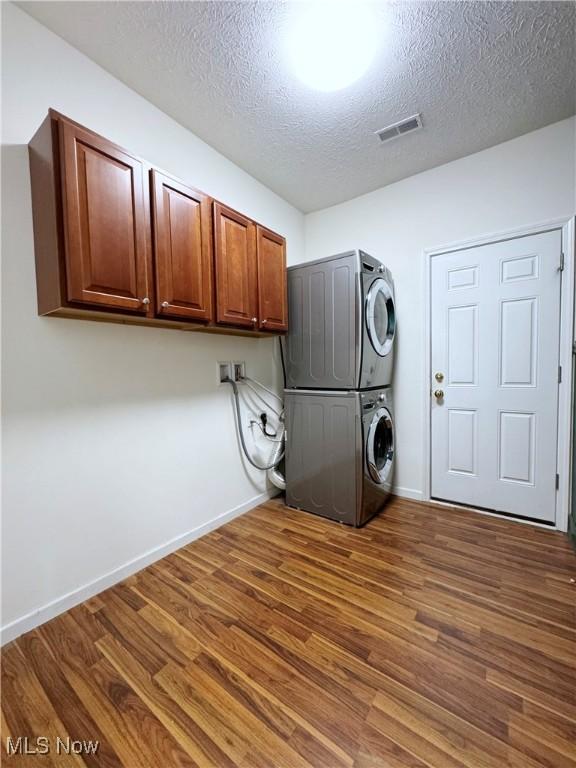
[(400, 128)]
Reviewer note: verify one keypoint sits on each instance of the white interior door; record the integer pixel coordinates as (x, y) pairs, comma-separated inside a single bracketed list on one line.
[(495, 324)]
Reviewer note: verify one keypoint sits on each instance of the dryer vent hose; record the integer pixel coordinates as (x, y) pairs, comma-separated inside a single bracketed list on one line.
[(274, 475)]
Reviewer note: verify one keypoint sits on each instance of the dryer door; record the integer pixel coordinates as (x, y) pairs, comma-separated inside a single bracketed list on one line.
[(380, 316), (380, 446)]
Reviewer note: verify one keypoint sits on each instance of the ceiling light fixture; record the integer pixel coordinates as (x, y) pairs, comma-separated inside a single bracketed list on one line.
[(331, 44)]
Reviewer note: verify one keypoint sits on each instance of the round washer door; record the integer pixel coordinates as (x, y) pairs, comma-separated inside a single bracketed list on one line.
[(380, 446), (380, 316)]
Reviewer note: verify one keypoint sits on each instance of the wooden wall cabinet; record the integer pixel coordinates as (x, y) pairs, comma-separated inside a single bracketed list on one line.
[(182, 249), (272, 289), (236, 270), (90, 205), (250, 273), (118, 240), (104, 222)]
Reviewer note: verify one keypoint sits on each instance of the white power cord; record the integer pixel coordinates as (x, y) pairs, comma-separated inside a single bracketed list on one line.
[(247, 381), (262, 386)]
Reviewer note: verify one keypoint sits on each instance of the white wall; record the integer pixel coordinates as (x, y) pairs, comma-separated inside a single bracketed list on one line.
[(521, 182), (116, 439)]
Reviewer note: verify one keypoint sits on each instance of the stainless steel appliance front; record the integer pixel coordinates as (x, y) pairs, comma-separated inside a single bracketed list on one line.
[(342, 322), (340, 452)]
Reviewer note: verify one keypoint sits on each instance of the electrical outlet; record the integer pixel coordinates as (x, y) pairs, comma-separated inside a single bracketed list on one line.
[(224, 372), (239, 370)]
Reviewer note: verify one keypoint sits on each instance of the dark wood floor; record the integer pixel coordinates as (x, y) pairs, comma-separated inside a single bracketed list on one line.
[(431, 638)]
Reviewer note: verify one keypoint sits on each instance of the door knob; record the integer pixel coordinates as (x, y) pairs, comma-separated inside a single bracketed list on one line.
[(439, 394), (439, 376), (145, 301), (165, 304)]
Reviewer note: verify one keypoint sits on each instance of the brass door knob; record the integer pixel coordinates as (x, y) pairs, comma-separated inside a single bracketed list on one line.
[(439, 394), (439, 376)]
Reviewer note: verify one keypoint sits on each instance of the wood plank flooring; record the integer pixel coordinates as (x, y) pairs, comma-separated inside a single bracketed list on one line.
[(431, 638)]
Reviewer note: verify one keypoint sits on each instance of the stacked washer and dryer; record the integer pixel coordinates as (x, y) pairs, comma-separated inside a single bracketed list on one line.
[(338, 358)]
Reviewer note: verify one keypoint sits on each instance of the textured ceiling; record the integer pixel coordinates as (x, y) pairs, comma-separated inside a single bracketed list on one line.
[(479, 72)]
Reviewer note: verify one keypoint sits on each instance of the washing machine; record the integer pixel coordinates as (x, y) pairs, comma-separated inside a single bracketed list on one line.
[(342, 322), (339, 452)]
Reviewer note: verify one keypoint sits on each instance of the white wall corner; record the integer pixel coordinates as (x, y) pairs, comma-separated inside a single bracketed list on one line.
[(409, 493), (61, 604)]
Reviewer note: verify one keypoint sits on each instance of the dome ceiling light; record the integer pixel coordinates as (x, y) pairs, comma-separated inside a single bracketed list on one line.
[(332, 44)]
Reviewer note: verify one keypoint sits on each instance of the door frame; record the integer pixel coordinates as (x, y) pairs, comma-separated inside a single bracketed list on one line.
[(567, 226)]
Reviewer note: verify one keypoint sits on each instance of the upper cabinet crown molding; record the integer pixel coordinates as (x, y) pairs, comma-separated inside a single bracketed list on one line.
[(116, 239)]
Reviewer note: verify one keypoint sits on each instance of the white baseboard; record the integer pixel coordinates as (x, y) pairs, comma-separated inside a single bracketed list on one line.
[(408, 493), (46, 612)]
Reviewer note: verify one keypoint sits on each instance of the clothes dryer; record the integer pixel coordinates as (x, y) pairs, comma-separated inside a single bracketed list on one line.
[(342, 323)]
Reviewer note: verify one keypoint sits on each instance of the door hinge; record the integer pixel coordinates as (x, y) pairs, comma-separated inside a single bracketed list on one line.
[(561, 267), (559, 374), (557, 481)]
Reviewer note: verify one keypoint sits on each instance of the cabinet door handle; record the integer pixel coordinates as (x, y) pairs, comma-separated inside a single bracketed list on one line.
[(254, 319), (165, 304), (264, 322), (145, 301)]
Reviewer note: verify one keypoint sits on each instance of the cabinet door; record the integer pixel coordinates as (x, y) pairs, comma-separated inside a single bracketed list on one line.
[(236, 273), (105, 222), (272, 298), (183, 249)]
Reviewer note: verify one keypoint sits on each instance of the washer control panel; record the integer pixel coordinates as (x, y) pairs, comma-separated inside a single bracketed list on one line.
[(373, 399)]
